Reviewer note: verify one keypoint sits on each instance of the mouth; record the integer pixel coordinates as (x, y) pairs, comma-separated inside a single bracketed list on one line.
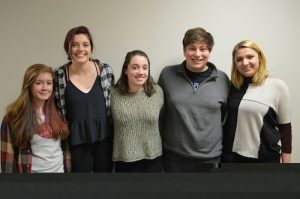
[(80, 55), (197, 60), (247, 69), (44, 93), (140, 78)]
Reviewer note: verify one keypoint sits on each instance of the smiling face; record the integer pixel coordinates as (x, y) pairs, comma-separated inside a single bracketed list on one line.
[(197, 55), (246, 61), (80, 49), (137, 73), (42, 88)]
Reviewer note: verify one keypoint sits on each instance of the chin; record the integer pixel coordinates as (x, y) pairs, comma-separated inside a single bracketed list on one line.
[(248, 75)]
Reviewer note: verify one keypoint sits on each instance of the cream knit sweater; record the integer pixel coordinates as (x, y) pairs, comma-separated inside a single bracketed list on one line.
[(136, 120)]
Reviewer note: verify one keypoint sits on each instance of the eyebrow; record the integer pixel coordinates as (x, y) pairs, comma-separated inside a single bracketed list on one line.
[(85, 42), (139, 65)]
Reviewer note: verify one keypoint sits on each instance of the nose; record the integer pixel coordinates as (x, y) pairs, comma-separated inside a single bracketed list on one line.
[(245, 62), (80, 47), (44, 86), (140, 71), (198, 52)]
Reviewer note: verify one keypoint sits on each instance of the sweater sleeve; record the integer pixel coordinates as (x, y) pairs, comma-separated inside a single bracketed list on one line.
[(284, 106), (286, 137), (284, 117)]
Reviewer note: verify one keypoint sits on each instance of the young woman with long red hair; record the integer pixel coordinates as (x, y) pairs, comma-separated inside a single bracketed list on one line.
[(33, 130)]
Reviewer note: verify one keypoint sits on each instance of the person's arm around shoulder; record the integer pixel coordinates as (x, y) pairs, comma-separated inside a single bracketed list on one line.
[(160, 93), (8, 162), (106, 72), (59, 85)]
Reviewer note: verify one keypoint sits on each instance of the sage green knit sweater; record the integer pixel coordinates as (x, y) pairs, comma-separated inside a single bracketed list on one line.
[(136, 120)]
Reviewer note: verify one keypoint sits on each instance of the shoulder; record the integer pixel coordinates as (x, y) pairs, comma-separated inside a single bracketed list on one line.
[(159, 94), (221, 78), (5, 127), (115, 93), (219, 73), (107, 67), (170, 68), (61, 69), (216, 70), (223, 75), (104, 67), (276, 83), (277, 86), (158, 89), (5, 121), (168, 72)]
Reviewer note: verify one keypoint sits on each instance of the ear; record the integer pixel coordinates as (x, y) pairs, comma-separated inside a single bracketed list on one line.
[(184, 50)]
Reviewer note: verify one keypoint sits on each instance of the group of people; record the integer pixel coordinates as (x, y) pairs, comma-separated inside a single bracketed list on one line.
[(77, 119)]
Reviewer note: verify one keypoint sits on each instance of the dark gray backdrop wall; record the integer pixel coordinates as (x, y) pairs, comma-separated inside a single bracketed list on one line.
[(33, 31)]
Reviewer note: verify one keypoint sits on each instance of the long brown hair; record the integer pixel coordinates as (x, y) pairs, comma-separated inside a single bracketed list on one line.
[(22, 116), (122, 83)]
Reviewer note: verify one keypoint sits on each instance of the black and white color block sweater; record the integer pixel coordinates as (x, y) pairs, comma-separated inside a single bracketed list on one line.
[(255, 114)]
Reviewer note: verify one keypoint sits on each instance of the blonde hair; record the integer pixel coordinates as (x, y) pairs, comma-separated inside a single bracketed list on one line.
[(236, 77)]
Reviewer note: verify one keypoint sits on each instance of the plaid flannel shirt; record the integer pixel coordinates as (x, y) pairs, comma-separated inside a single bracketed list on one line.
[(107, 82), (15, 160)]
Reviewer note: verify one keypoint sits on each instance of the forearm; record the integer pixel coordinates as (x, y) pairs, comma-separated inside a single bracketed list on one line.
[(286, 142)]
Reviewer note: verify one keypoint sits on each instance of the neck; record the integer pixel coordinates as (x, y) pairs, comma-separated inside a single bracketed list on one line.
[(80, 68), (135, 89), (39, 108)]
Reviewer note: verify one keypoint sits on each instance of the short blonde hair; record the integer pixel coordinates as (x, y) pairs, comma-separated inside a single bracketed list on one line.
[(236, 77)]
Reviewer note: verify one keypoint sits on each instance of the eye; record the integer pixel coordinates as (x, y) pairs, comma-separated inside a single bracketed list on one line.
[(238, 59), (86, 44), (250, 56)]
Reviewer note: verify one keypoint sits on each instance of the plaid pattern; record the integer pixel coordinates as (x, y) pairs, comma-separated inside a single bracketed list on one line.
[(107, 82), (15, 160)]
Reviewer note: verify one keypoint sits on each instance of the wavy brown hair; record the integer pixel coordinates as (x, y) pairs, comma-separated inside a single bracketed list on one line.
[(122, 83), (22, 116)]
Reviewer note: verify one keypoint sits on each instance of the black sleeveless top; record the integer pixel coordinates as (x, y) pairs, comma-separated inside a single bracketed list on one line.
[(86, 113)]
